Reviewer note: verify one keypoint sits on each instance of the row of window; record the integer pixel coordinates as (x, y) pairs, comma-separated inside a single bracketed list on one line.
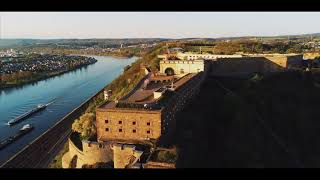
[(133, 131), (120, 122), (201, 56), (180, 62)]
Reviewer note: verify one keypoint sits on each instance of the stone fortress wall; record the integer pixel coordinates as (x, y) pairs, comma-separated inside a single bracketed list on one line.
[(311, 55), (258, 63), (91, 153), (125, 155), (177, 103)]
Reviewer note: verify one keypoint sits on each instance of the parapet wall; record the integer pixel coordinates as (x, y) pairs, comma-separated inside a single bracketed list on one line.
[(177, 103), (125, 155), (311, 55), (159, 165), (91, 153), (248, 65)]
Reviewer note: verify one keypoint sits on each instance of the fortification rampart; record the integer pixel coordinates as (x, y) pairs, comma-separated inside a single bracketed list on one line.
[(125, 155), (91, 153), (159, 165), (253, 64), (311, 55), (184, 95)]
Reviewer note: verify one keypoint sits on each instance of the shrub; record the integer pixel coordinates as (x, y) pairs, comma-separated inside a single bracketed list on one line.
[(85, 125)]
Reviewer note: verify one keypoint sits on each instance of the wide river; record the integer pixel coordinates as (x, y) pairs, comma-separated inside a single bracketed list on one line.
[(68, 91)]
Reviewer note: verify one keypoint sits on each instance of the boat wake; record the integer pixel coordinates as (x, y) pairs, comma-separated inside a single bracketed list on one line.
[(52, 101)]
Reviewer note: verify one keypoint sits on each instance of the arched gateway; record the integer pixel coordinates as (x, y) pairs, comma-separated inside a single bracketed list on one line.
[(169, 71)]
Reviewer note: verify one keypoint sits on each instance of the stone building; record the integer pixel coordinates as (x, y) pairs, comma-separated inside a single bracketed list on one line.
[(181, 67), (128, 123), (142, 116)]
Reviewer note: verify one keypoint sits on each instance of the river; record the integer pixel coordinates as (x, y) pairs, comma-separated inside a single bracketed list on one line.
[(68, 91)]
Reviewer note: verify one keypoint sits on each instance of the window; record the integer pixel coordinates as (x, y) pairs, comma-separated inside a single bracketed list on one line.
[(148, 132), (134, 131), (133, 123), (107, 129), (148, 123), (120, 122), (120, 130), (106, 121)]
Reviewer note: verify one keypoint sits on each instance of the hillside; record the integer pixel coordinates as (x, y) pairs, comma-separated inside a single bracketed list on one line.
[(120, 87), (4, 43), (268, 122)]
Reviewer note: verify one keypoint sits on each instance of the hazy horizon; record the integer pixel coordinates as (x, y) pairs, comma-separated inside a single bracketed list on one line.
[(167, 25)]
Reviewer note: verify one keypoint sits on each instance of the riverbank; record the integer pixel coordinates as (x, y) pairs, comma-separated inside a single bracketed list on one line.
[(69, 90), (38, 77), (124, 53), (38, 154)]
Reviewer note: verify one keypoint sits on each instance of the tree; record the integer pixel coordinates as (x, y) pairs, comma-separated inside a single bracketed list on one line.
[(85, 125)]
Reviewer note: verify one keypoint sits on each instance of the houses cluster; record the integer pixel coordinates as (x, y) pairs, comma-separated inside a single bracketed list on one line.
[(45, 63), (312, 44), (10, 53)]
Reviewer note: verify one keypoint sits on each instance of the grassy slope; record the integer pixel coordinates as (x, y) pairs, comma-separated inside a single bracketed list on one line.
[(289, 102), (219, 130), (57, 161)]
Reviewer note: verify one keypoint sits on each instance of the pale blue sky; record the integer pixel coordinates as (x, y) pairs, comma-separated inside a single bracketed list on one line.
[(155, 24)]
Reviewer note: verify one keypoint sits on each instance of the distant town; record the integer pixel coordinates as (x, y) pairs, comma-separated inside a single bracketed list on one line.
[(44, 63)]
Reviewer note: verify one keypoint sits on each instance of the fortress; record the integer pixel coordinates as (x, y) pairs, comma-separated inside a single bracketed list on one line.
[(147, 113), (229, 65)]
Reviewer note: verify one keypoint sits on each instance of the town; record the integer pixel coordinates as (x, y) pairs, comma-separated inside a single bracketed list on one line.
[(21, 70), (44, 63)]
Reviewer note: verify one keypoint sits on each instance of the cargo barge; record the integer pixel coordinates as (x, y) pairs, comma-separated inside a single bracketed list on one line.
[(24, 130), (27, 114)]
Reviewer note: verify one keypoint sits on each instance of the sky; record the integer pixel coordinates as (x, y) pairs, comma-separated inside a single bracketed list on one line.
[(53, 25)]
